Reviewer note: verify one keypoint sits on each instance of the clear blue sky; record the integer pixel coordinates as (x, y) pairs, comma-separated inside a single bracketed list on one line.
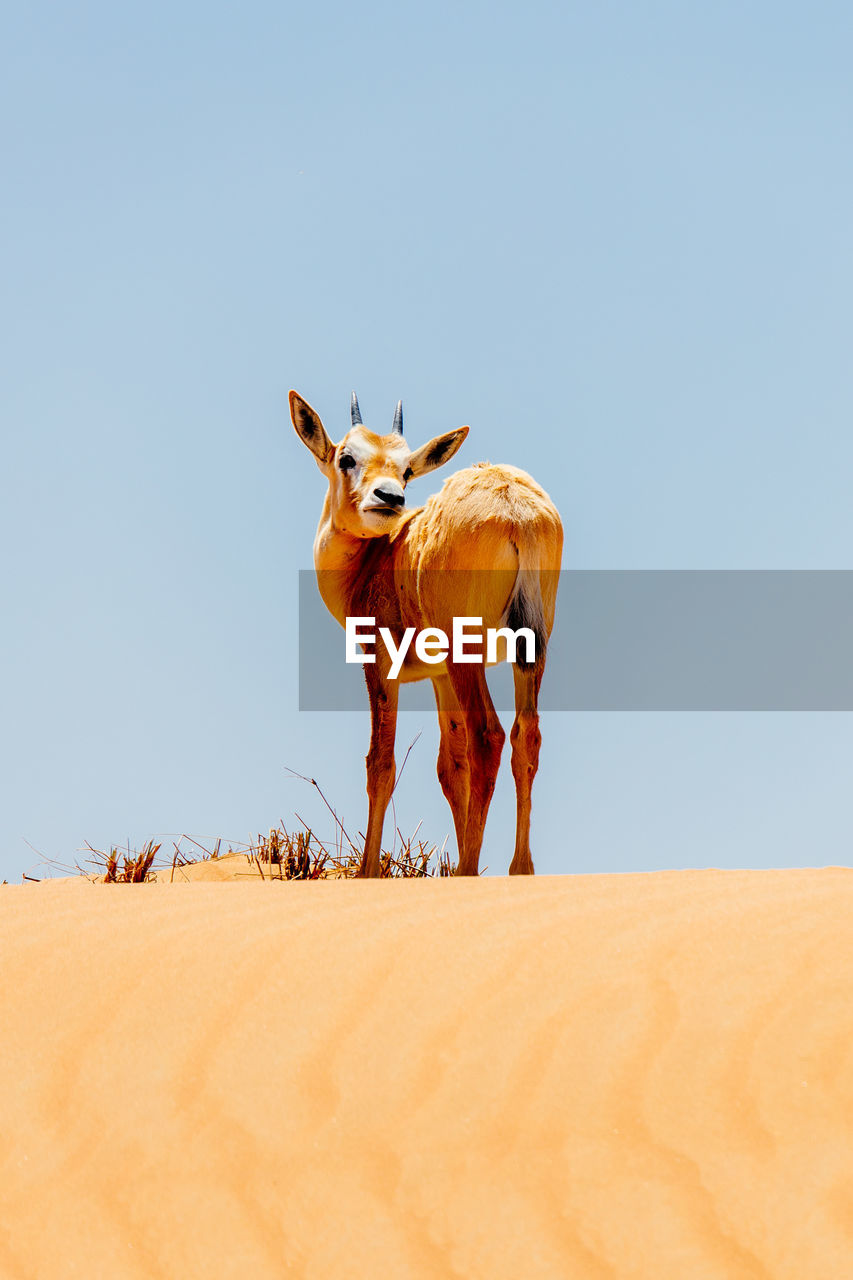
[(615, 239)]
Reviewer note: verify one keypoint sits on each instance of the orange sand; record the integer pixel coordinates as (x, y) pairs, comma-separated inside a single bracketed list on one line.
[(585, 1078)]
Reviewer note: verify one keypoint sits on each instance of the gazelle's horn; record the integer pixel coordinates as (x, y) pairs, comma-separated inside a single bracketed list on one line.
[(398, 418), (355, 412)]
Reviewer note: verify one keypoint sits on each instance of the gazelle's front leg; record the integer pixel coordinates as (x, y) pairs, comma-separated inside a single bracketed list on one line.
[(485, 740), (381, 770)]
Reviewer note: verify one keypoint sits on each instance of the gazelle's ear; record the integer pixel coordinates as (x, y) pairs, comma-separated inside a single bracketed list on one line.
[(437, 452), (310, 429)]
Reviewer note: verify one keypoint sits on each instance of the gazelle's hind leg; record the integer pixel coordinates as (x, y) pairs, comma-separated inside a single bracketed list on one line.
[(454, 773), (485, 737), (524, 739)]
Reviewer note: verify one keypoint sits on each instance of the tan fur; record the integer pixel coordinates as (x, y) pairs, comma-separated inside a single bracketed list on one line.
[(462, 553)]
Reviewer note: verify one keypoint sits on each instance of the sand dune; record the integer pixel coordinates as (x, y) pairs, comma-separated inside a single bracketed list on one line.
[(590, 1077)]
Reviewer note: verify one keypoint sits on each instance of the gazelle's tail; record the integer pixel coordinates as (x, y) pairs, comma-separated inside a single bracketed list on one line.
[(526, 609)]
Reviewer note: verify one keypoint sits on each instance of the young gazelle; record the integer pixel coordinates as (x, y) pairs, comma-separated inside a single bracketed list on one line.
[(487, 546)]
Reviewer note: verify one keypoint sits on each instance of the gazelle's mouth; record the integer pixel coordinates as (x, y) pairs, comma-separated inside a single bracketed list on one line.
[(384, 511)]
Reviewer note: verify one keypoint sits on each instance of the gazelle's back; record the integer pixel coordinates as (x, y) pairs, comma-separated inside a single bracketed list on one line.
[(475, 513), (464, 548)]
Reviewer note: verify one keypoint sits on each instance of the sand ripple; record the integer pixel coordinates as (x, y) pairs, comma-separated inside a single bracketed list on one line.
[(593, 1077)]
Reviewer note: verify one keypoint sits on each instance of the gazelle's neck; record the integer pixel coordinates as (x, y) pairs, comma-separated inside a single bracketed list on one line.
[(341, 559), (334, 548), (336, 557)]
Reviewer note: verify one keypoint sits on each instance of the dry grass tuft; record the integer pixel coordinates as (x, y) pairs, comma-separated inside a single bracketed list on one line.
[(134, 868), (279, 855)]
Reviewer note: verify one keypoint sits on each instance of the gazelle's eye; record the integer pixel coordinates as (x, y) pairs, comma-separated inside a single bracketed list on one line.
[(407, 474), (346, 461)]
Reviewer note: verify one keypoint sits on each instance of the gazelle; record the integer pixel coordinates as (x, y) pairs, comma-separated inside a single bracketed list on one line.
[(486, 546)]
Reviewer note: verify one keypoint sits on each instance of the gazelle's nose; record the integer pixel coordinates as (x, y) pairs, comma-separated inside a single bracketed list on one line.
[(389, 494)]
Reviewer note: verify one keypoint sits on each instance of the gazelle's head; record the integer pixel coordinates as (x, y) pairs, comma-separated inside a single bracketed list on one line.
[(368, 473)]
